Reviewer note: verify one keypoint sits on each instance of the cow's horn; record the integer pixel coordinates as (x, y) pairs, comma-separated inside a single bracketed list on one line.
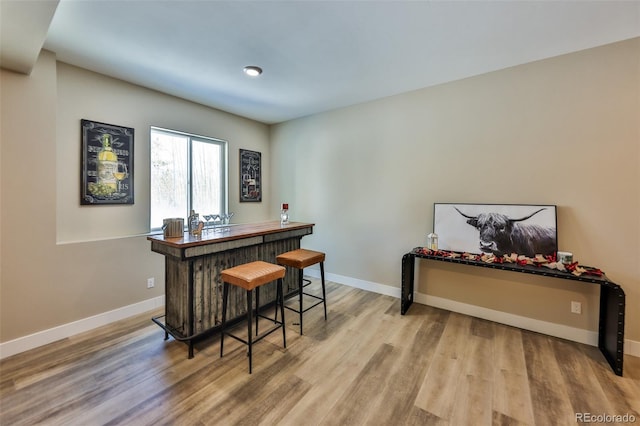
[(467, 216), (527, 217)]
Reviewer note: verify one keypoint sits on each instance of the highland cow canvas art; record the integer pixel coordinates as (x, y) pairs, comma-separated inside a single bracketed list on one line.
[(496, 228)]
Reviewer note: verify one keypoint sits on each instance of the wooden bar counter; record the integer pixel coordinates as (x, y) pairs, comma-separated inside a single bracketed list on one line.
[(193, 289)]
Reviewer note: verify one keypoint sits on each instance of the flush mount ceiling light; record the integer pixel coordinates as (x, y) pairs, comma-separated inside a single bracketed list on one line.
[(252, 71)]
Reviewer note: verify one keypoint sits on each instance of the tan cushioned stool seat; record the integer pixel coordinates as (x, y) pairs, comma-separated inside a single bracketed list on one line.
[(300, 258), (253, 274)]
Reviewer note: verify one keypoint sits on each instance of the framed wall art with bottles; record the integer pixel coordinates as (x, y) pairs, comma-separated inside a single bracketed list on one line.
[(250, 176), (107, 164)]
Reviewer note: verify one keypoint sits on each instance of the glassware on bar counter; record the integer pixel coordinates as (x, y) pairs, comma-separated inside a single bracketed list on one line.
[(215, 218), (207, 217), (229, 216), (194, 222), (222, 222), (226, 219)]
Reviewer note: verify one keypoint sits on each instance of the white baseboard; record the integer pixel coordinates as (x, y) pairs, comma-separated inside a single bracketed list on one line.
[(552, 329), (579, 335), (41, 338), (357, 283), (631, 347)]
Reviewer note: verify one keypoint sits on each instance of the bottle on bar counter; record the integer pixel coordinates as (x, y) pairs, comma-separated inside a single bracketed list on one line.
[(194, 222), (284, 214)]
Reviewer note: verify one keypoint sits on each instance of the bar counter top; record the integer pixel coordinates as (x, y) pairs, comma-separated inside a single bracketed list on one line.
[(235, 232)]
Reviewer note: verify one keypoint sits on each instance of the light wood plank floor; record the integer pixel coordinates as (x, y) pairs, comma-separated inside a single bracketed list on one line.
[(366, 365)]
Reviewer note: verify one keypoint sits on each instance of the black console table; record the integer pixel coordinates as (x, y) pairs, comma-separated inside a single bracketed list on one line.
[(612, 297)]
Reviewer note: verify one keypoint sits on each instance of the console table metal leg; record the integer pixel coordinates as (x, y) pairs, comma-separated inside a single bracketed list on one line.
[(611, 327), (408, 272)]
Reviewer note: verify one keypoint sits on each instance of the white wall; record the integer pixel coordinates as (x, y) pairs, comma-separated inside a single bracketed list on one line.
[(563, 131)]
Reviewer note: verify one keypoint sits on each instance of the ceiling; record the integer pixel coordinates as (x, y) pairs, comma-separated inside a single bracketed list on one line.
[(316, 55)]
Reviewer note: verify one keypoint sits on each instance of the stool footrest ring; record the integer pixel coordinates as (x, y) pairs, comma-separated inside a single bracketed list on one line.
[(306, 309), (256, 338)]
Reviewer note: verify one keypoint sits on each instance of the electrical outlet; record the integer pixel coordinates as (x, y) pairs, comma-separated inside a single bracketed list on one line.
[(576, 307), (151, 282)]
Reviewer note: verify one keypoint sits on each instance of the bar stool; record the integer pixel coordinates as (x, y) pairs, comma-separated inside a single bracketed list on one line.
[(300, 259), (251, 276)]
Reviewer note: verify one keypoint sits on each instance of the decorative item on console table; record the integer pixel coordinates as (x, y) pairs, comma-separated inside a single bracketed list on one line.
[(432, 241)]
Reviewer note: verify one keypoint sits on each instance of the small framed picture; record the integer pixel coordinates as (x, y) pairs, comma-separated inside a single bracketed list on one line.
[(250, 176), (106, 176)]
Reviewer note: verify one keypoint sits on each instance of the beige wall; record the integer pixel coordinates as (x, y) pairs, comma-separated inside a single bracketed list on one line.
[(62, 262), (563, 131)]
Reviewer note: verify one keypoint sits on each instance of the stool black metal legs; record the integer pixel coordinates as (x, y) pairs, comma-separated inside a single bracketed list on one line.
[(300, 295), (301, 259), (250, 318), (301, 285), (324, 292), (249, 323), (280, 296)]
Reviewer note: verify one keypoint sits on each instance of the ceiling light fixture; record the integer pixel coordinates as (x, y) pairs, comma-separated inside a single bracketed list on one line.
[(252, 71)]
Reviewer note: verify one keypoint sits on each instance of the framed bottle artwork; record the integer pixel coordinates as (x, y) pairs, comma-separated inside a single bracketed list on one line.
[(250, 176), (107, 164)]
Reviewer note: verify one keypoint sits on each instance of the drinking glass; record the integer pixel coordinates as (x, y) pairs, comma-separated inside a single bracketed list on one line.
[(229, 216), (215, 218), (224, 218), (207, 218)]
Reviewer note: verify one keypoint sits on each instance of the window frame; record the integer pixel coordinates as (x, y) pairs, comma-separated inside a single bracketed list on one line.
[(224, 169)]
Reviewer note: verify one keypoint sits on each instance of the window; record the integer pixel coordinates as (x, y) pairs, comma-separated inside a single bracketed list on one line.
[(187, 172)]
